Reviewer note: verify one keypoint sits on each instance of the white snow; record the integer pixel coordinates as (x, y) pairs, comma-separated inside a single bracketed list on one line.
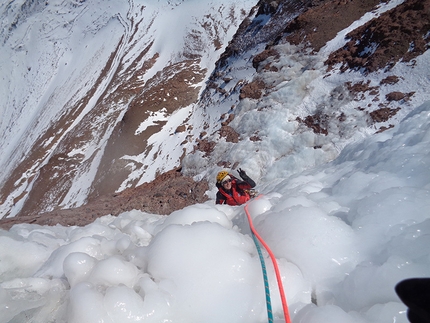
[(53, 55), (346, 221), (343, 233), (152, 119)]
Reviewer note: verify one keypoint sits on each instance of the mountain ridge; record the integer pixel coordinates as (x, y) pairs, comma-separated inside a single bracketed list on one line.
[(308, 28), (66, 156)]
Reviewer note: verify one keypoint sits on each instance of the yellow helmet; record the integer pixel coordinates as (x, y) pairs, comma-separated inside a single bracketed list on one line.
[(221, 176)]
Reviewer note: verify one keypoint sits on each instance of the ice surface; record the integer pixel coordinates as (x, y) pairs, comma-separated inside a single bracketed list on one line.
[(343, 234), (343, 231)]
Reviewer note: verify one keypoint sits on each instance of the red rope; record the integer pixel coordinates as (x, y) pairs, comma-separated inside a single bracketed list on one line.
[(275, 265)]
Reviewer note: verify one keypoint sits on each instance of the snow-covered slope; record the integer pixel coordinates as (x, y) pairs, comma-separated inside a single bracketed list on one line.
[(344, 234), (86, 85), (100, 98), (289, 111), (324, 103)]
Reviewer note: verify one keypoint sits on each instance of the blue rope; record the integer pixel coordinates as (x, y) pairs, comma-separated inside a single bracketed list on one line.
[(266, 281)]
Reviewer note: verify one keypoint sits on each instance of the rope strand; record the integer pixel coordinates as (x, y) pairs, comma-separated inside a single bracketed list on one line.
[(266, 281), (275, 265)]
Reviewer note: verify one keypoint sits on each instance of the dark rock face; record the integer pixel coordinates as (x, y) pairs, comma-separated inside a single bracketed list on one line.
[(399, 34), (253, 31), (324, 19), (168, 192), (252, 90), (318, 123), (383, 114)]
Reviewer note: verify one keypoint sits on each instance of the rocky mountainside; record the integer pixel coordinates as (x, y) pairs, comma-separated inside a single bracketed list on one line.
[(97, 156), (87, 108)]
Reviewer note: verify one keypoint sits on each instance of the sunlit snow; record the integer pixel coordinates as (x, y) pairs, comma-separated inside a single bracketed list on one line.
[(57, 54), (343, 234), (346, 221)]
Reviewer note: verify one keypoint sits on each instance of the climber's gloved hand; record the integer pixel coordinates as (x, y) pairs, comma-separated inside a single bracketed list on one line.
[(245, 177), (242, 173)]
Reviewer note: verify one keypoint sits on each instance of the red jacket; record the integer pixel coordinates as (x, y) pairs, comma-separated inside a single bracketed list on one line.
[(236, 196)]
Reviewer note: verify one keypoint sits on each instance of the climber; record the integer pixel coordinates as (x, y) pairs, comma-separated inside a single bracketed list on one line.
[(233, 191)]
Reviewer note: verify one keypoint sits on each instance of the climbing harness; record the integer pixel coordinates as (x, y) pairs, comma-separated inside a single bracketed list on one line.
[(252, 193), (256, 236)]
